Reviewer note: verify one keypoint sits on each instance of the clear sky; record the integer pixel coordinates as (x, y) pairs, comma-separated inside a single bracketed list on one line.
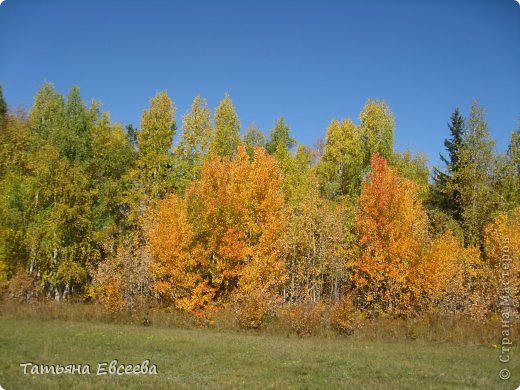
[(309, 61)]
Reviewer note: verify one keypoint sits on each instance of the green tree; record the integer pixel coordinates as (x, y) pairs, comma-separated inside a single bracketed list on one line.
[(193, 144), (279, 134), (509, 180), (14, 192), (47, 114), (62, 189), (131, 134), (341, 167), (445, 193), (227, 129), (112, 157), (377, 128), (154, 140), (414, 168), (253, 137), (473, 178), (3, 108)]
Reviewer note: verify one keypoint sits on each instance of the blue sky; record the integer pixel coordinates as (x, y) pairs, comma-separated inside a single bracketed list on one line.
[(309, 61)]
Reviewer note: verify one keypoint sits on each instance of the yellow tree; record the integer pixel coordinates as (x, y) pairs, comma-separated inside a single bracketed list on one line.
[(445, 274)]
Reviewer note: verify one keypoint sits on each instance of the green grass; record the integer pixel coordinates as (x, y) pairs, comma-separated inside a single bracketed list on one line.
[(209, 359)]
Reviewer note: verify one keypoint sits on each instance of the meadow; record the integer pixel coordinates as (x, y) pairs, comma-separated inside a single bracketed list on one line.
[(190, 357)]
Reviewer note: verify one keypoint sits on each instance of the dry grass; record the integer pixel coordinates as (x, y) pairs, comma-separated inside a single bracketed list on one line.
[(300, 320)]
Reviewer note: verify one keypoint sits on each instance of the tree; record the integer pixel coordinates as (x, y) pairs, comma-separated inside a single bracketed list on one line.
[(502, 248), (123, 280), (131, 134), (444, 274), (445, 189), (414, 168), (63, 191), (253, 138), (111, 159), (15, 193), (47, 114), (193, 144), (392, 227), (279, 134), (227, 129), (3, 108), (154, 141), (377, 129), (59, 234), (341, 167), (509, 174), (316, 248), (473, 179), (223, 241)]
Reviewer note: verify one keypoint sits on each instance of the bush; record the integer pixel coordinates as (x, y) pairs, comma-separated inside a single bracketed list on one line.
[(23, 287), (345, 318), (123, 281), (304, 319), (250, 311)]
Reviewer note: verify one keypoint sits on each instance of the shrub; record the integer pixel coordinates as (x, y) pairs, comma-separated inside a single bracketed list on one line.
[(345, 317), (23, 287), (304, 319)]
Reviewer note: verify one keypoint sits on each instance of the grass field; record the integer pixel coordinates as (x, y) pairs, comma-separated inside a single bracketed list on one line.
[(208, 359)]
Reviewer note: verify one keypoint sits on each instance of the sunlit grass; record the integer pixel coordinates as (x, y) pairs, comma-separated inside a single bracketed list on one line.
[(198, 358)]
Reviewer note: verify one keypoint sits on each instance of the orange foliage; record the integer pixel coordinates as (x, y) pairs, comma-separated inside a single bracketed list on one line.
[(445, 273), (398, 267), (392, 228), (502, 251), (224, 239)]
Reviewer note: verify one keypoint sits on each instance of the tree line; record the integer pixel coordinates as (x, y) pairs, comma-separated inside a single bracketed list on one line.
[(91, 210)]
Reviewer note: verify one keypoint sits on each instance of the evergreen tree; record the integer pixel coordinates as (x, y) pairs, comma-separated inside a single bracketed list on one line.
[(3, 108), (445, 193), (131, 134)]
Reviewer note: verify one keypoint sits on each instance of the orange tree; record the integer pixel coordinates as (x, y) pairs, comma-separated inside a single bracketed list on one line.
[(223, 242), (396, 266)]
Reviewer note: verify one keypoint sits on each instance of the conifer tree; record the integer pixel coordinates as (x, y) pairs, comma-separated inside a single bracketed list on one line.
[(445, 193)]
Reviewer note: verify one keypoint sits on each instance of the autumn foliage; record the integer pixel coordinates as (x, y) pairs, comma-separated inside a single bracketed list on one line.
[(224, 240), (398, 266), (207, 221), (392, 228)]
